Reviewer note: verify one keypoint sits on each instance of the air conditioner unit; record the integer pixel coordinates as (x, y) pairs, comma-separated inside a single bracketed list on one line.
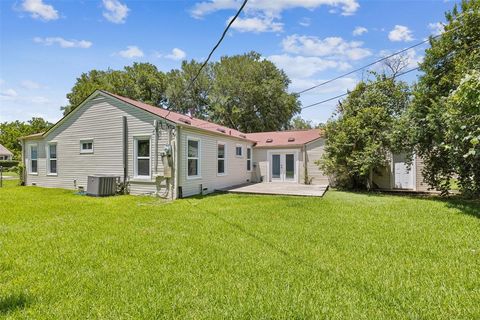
[(102, 185)]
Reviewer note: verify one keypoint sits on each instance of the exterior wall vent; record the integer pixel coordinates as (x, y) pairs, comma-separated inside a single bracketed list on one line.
[(184, 120), (221, 130), (291, 139), (243, 136), (269, 140)]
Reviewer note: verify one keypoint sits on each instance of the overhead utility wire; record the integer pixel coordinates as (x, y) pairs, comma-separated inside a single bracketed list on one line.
[(372, 63), (346, 93), (218, 43)]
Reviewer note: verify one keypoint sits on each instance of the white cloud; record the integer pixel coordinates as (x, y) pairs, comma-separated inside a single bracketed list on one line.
[(272, 8), (334, 47), (256, 24), (437, 28), (358, 31), (400, 33), (40, 10), (29, 84), (305, 22), (8, 93), (63, 42), (176, 54), (115, 11), (304, 67), (131, 52)]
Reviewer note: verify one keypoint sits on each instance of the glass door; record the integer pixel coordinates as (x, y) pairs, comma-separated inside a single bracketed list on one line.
[(276, 167), (283, 167), (289, 167)]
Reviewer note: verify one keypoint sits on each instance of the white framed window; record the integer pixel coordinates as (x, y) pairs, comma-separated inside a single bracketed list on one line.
[(249, 159), (86, 146), (239, 150), (52, 158), (193, 158), (221, 158), (141, 152), (34, 159)]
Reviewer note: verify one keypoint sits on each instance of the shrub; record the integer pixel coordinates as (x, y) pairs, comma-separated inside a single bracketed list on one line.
[(8, 163)]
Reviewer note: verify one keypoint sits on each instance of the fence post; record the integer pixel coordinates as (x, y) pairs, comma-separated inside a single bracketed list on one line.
[(1, 176)]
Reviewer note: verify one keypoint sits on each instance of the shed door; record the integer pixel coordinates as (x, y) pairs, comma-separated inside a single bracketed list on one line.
[(404, 177)]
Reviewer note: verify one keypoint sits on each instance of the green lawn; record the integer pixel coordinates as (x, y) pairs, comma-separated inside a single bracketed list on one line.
[(344, 256)]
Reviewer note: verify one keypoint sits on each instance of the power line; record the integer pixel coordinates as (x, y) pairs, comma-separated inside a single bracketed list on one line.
[(372, 63), (218, 43), (346, 93)]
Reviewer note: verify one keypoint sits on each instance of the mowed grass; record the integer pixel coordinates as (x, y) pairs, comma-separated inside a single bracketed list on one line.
[(344, 256)]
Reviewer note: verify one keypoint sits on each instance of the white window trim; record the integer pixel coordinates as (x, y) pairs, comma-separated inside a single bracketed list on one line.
[(135, 157), (30, 159), (82, 141), (199, 158), (236, 146), (251, 158), (224, 159), (48, 158)]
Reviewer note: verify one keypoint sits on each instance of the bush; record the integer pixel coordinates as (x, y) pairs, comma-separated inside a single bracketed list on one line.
[(8, 163)]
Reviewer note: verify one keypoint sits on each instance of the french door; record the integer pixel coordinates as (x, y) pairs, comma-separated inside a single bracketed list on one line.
[(283, 167)]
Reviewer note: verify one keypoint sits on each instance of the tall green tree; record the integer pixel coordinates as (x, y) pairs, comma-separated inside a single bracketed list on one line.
[(141, 81), (249, 93), (10, 132), (298, 123), (361, 134), (431, 119)]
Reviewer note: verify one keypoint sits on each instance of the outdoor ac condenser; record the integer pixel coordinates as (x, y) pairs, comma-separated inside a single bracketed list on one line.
[(102, 185)]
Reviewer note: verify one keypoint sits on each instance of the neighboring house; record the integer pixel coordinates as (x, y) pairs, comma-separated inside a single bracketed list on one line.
[(5, 154), (154, 150)]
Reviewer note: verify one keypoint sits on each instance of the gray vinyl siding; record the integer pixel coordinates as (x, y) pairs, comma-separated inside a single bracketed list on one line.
[(314, 153), (420, 184), (100, 119), (236, 167)]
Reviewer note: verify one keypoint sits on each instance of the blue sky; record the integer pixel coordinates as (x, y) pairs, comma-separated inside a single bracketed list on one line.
[(45, 45)]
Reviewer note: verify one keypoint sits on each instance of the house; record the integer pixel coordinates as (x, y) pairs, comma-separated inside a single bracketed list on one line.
[(157, 151), (5, 154)]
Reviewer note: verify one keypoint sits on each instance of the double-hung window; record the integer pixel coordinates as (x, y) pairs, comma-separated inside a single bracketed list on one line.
[(193, 158), (221, 170), (34, 159), (52, 158), (239, 150), (249, 159), (142, 157)]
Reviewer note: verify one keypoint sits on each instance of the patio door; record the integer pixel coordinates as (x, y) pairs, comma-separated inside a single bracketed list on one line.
[(283, 167)]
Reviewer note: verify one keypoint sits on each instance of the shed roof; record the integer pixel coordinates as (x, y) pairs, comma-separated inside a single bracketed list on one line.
[(4, 151), (285, 138)]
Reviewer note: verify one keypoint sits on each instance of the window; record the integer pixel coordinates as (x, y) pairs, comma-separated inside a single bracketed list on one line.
[(249, 159), (52, 158), (193, 158), (33, 159), (221, 158), (142, 157), (86, 146), (239, 150)]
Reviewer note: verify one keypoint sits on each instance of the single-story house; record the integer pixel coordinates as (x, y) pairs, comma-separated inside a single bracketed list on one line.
[(5, 154), (157, 151)]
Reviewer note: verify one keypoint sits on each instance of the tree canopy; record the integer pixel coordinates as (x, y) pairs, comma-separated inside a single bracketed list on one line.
[(362, 132), (443, 118), (11, 131), (245, 92)]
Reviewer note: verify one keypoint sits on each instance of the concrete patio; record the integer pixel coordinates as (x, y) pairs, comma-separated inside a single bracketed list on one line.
[(277, 188)]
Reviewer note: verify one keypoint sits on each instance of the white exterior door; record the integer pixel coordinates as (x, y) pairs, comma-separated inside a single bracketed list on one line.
[(404, 177), (283, 167)]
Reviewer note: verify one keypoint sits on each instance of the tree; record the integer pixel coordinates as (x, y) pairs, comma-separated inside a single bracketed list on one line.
[(360, 137), (298, 123), (141, 81), (10, 132), (249, 93), (431, 117)]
